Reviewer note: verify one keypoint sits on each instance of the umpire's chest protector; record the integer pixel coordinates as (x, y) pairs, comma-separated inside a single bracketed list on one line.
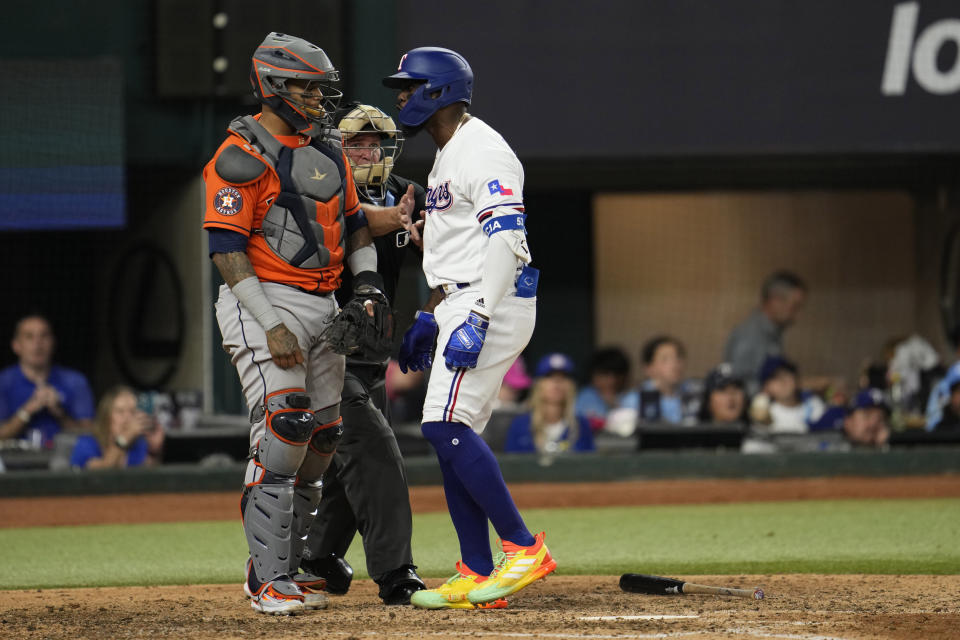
[(305, 222)]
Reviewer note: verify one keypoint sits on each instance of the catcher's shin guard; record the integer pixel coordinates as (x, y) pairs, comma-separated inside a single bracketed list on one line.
[(268, 501), (267, 519), (308, 489), (306, 497)]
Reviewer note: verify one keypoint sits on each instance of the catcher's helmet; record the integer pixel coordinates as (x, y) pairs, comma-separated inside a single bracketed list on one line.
[(281, 58), (371, 175), (445, 78)]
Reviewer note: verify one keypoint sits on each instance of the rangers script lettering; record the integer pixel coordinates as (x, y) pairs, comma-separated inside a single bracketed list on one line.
[(439, 198)]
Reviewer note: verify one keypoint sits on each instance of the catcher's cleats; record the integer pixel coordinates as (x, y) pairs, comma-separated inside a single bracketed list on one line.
[(312, 587), (364, 326), (281, 597)]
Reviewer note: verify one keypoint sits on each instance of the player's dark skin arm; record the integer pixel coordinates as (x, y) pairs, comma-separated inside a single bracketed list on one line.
[(284, 348), (436, 296)]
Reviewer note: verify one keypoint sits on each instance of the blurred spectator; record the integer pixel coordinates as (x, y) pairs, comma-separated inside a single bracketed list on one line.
[(781, 405), (724, 398), (515, 384), (910, 359), (867, 423), (609, 379), (837, 397), (405, 394), (552, 426), (124, 435), (761, 334), (951, 412), (38, 398), (664, 396), (941, 393)]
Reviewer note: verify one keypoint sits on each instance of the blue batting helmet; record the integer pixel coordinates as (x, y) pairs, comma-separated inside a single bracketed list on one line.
[(445, 78)]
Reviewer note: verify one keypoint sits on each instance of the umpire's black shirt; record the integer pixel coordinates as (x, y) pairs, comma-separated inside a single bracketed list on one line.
[(392, 247)]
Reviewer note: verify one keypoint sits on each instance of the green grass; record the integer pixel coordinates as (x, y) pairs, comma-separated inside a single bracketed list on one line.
[(868, 536)]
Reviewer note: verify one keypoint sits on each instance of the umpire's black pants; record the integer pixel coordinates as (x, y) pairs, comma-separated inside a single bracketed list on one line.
[(365, 488)]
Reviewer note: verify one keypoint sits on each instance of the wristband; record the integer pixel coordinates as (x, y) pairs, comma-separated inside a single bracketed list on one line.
[(251, 295), (23, 415), (362, 259), (121, 442)]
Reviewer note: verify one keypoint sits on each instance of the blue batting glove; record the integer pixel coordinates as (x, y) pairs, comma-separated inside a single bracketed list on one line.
[(465, 342), (416, 350)]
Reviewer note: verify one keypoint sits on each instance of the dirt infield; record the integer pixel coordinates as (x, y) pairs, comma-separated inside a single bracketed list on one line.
[(801, 607)]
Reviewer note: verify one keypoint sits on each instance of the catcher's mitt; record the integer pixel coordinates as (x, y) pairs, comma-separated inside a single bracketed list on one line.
[(354, 332)]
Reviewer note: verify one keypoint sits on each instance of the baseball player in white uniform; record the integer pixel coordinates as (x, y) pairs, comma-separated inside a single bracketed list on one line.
[(476, 259)]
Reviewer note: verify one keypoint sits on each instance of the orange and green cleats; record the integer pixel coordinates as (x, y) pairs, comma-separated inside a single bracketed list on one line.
[(453, 593), (516, 568)]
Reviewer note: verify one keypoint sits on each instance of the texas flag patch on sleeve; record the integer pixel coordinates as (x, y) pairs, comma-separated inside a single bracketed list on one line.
[(497, 188)]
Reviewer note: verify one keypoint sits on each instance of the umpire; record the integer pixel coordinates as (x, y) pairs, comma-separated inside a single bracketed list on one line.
[(365, 488)]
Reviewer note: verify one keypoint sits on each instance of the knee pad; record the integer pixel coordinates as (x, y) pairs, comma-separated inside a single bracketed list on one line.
[(328, 430), (290, 424), (326, 436)]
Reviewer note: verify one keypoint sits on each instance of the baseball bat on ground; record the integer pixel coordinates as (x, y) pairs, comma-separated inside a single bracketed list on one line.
[(660, 586)]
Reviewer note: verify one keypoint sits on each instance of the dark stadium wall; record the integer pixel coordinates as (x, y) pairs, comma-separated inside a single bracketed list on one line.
[(938, 303), (686, 78)]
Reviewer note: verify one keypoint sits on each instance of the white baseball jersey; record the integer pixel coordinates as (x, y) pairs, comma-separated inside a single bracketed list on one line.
[(475, 189), (476, 179)]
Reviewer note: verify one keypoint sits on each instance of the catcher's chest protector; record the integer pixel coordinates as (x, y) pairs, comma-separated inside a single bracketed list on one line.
[(301, 219)]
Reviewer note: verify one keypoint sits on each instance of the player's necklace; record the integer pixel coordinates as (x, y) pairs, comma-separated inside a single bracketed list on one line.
[(463, 119)]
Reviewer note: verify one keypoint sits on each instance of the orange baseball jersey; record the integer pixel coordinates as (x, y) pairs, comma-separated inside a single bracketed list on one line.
[(242, 208)]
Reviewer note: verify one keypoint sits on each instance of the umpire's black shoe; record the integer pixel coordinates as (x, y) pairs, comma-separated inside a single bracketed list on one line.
[(398, 585), (337, 572)]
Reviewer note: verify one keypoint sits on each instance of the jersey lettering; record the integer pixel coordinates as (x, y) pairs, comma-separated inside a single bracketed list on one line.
[(503, 223), (439, 198)]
